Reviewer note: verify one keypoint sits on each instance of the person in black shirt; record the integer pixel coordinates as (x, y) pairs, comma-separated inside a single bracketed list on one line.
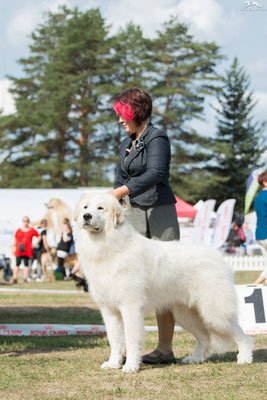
[(64, 245), (40, 247)]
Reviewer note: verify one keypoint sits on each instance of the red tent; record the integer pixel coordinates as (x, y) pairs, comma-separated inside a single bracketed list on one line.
[(184, 210)]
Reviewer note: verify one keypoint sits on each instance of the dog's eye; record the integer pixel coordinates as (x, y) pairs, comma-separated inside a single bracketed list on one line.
[(85, 207), (100, 208)]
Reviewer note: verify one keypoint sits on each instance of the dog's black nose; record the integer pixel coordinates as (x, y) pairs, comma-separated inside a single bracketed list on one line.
[(87, 216)]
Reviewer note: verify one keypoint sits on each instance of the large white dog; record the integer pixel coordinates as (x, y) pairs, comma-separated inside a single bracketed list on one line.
[(129, 275)]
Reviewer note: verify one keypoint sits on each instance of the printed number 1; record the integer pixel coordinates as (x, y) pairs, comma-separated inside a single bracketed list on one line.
[(256, 299)]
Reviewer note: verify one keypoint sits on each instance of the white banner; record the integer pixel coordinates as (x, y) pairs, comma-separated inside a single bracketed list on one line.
[(202, 222), (60, 330), (50, 330), (223, 223)]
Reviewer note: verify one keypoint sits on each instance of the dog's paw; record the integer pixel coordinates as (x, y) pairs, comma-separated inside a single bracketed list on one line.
[(244, 359), (130, 368), (192, 360), (111, 365)]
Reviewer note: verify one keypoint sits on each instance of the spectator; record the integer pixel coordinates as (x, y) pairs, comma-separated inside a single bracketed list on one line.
[(23, 248), (236, 237), (64, 245), (40, 247), (260, 204), (5, 265), (80, 281)]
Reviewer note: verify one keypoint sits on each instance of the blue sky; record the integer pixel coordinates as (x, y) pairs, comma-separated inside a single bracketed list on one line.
[(240, 33)]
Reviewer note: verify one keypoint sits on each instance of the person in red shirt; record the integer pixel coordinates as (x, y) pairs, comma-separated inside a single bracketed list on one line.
[(23, 248)]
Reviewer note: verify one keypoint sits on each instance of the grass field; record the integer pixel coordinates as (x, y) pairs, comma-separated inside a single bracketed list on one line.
[(59, 368)]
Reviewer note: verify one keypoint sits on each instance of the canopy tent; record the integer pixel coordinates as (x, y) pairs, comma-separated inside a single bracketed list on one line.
[(183, 209)]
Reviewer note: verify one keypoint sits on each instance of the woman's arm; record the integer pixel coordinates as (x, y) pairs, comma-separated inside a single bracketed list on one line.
[(14, 245), (65, 233), (120, 192), (158, 151), (119, 179), (45, 243)]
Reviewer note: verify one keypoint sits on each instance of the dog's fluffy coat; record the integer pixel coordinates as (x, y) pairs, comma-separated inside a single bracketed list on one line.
[(129, 275)]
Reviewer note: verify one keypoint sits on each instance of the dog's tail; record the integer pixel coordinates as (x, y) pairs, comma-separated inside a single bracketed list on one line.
[(220, 342)]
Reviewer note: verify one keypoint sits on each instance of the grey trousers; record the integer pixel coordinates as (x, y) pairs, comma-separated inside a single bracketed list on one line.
[(154, 222)]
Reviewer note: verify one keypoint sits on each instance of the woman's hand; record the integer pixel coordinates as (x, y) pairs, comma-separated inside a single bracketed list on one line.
[(120, 192)]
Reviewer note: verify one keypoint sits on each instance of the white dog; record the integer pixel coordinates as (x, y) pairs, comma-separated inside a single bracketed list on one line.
[(129, 275)]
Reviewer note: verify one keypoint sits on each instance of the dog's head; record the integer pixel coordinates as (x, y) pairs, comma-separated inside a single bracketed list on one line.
[(53, 203), (57, 204), (96, 212)]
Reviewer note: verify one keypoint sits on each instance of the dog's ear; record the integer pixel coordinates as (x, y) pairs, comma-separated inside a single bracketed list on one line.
[(78, 207), (117, 214)]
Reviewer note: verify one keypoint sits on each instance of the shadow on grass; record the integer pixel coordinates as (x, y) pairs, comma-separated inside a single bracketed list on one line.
[(25, 345), (259, 356), (15, 346), (49, 315)]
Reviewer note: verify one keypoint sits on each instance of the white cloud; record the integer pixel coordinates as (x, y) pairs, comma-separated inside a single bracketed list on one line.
[(28, 17), (261, 106), (7, 103), (208, 19), (147, 13)]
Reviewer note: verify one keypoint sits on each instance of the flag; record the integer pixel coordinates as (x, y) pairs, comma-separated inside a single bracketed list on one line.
[(202, 223), (252, 187), (223, 223)]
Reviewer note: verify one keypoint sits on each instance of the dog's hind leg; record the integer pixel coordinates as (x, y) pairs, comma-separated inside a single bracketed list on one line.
[(115, 334), (245, 346), (133, 320), (190, 320)]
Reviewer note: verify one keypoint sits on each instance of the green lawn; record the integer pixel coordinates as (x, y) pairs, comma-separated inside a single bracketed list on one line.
[(59, 368)]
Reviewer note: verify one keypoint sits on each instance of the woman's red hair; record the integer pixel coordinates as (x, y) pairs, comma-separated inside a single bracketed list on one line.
[(134, 104), (124, 110)]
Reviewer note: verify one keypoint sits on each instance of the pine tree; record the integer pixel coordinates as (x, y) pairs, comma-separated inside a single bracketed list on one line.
[(59, 100), (130, 66), (184, 75), (239, 142)]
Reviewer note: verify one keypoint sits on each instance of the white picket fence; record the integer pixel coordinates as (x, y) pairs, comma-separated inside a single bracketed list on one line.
[(245, 263)]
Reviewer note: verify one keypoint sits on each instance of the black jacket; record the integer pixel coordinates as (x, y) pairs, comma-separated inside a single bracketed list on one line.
[(145, 170)]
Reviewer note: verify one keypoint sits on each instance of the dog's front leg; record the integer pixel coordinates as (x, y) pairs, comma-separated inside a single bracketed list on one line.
[(115, 334), (133, 320)]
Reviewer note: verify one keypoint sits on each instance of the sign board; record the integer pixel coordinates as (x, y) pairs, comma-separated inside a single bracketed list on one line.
[(223, 223), (252, 308), (202, 223)]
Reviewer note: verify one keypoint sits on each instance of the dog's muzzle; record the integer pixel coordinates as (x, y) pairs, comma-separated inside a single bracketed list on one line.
[(87, 217), (87, 222)]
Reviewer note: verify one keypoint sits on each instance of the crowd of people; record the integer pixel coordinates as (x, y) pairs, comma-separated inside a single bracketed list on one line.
[(31, 250)]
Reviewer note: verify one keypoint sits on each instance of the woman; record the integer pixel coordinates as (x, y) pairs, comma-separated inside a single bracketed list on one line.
[(64, 245), (23, 248), (260, 204), (143, 183)]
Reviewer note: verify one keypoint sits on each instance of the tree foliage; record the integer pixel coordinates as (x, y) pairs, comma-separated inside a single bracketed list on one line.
[(184, 75), (239, 143), (65, 132)]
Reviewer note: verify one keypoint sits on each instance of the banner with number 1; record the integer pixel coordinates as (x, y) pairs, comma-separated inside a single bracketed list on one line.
[(252, 304)]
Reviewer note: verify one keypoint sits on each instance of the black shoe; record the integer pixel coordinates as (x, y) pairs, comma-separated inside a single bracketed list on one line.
[(159, 358)]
